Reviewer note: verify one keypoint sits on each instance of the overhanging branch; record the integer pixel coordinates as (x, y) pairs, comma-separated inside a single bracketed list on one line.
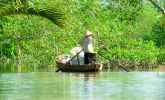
[(157, 6)]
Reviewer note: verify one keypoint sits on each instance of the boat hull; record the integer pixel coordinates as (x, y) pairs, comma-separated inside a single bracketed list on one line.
[(79, 68)]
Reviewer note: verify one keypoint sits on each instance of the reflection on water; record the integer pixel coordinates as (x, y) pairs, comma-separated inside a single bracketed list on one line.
[(83, 86)]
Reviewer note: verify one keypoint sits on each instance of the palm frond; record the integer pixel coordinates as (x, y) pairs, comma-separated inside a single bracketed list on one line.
[(54, 15)]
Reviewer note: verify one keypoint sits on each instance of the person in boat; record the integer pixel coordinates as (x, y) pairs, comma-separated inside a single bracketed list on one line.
[(87, 42)]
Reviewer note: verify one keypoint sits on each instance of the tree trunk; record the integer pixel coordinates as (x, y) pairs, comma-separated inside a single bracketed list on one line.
[(18, 56), (1, 57)]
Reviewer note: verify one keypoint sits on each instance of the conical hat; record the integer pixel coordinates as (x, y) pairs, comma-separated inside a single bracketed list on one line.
[(88, 33)]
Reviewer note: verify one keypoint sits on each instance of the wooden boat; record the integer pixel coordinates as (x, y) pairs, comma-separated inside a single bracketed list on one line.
[(78, 68)]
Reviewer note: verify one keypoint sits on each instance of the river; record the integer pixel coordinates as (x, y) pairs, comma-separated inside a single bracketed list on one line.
[(83, 86)]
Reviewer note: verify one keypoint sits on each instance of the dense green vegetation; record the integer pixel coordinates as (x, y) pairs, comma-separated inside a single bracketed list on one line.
[(132, 31)]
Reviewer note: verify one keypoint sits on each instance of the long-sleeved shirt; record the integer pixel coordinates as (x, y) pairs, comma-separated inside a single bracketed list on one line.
[(87, 43)]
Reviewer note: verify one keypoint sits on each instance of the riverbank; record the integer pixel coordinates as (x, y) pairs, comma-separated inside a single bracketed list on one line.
[(115, 67), (160, 68)]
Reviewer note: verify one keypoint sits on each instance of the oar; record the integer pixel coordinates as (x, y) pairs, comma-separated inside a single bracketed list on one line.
[(70, 59), (119, 66)]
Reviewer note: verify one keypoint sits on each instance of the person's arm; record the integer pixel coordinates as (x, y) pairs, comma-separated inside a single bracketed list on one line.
[(93, 40), (82, 41)]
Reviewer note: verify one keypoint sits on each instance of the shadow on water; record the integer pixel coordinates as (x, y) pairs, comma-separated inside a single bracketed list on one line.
[(85, 87)]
